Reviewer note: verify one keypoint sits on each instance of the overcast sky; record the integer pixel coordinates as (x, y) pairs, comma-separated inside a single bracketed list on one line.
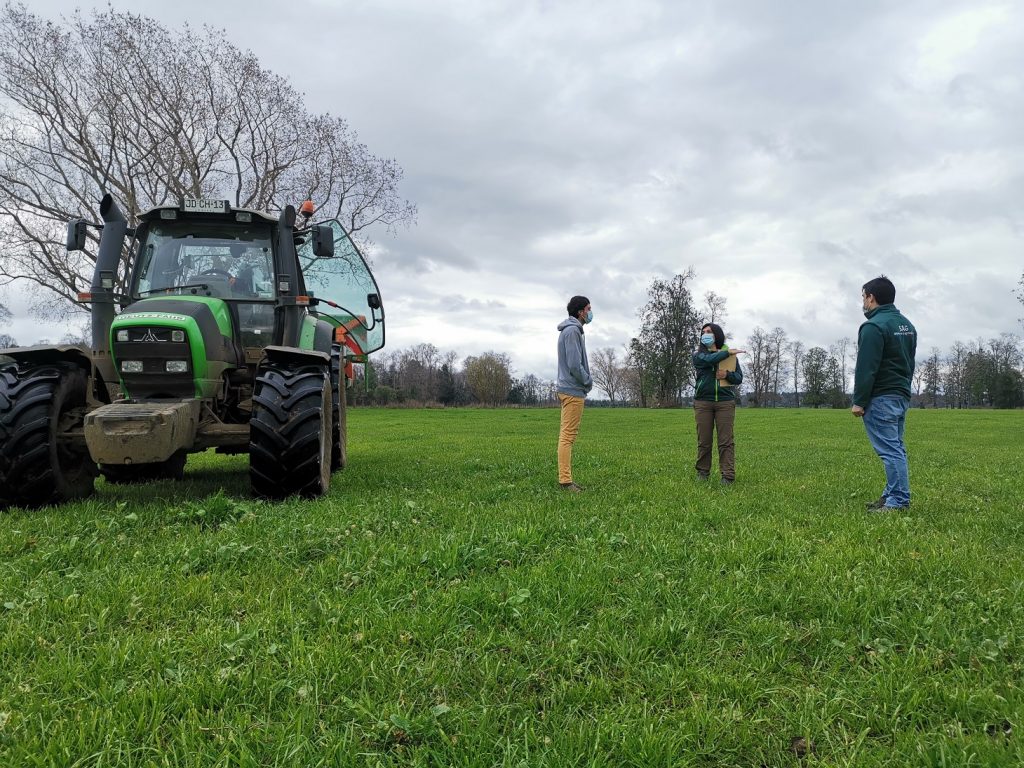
[(788, 151)]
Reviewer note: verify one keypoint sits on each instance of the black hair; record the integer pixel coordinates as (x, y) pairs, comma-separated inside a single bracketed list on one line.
[(717, 332), (576, 303), (881, 288)]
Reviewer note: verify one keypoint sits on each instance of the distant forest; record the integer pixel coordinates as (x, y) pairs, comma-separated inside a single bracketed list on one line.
[(654, 369)]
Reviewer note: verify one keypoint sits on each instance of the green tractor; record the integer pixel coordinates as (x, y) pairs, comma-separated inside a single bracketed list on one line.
[(238, 332)]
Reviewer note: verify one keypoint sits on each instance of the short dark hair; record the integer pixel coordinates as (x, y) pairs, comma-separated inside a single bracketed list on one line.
[(576, 303), (718, 333), (881, 288)]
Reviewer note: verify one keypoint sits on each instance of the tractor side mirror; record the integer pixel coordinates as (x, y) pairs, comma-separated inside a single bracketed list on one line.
[(76, 235), (323, 241), (373, 300)]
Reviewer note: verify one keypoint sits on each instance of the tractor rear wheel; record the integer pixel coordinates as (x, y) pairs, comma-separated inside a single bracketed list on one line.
[(124, 474), (38, 464), (290, 431), (339, 431)]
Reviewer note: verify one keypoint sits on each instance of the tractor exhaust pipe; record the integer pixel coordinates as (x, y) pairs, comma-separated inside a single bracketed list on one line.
[(104, 277)]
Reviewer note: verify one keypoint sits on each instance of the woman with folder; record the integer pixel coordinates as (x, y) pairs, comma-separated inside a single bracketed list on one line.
[(714, 401)]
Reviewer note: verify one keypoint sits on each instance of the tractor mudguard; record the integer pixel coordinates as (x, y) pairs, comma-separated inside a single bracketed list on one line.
[(316, 334), (323, 336), (43, 355), (296, 356)]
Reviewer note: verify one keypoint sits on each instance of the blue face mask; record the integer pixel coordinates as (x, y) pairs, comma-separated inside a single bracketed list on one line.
[(590, 317), (707, 339)]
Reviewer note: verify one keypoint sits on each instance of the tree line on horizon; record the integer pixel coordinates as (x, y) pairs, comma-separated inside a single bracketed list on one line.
[(654, 369)]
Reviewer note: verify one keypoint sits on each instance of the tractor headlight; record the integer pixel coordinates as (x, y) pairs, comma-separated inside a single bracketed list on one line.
[(177, 336), (131, 366), (177, 366), (122, 335)]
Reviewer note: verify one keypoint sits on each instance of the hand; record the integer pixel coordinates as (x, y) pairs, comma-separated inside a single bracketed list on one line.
[(857, 411), (737, 351), (719, 374)]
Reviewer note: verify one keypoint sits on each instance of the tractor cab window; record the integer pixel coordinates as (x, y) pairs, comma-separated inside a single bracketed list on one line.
[(346, 280), (207, 260)]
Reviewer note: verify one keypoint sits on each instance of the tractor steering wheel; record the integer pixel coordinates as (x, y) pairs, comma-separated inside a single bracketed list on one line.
[(215, 271)]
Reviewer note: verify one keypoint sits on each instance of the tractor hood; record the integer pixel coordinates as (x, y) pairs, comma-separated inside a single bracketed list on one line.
[(152, 332)]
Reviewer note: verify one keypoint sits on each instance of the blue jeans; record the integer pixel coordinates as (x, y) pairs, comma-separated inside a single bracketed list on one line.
[(884, 420)]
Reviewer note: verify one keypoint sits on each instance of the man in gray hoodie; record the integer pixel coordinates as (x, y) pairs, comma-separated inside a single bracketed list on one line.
[(573, 384)]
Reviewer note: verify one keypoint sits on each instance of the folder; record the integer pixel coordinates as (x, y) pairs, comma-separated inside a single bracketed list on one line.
[(729, 364)]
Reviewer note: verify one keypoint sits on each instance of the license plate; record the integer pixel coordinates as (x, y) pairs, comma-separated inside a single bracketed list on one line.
[(198, 205)]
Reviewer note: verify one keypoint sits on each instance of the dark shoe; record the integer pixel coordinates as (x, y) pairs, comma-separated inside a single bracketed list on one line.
[(701, 477), (728, 480), (876, 504), (571, 487)]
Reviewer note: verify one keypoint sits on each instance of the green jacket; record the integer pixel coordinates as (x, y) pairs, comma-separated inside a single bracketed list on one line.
[(886, 346), (708, 386)]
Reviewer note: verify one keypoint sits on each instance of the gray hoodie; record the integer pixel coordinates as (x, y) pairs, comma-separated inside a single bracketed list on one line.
[(573, 368)]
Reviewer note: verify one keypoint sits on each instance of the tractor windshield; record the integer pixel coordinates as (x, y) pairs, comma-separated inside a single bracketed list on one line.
[(229, 262), (346, 280)]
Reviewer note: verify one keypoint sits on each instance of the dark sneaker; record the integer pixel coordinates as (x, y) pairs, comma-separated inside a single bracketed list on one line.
[(701, 477), (876, 504), (571, 487), (728, 480)]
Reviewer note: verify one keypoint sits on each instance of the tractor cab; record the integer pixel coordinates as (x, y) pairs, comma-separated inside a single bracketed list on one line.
[(224, 256)]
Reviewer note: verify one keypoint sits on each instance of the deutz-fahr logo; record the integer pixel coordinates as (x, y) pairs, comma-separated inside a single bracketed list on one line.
[(157, 316)]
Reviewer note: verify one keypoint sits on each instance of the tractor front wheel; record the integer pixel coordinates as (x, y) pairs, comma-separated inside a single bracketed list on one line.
[(290, 431), (40, 463)]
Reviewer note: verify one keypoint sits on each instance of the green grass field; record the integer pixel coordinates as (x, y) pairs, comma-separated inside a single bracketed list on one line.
[(448, 605)]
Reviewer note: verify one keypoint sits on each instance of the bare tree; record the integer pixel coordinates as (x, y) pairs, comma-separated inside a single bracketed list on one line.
[(714, 306), (452, 388), (932, 377), (420, 365), (116, 102), (777, 341), (636, 373), (759, 366), (6, 340), (841, 352), (526, 391), (607, 373), (81, 335), (1020, 294), (489, 377), (955, 383), (851, 360), (796, 356)]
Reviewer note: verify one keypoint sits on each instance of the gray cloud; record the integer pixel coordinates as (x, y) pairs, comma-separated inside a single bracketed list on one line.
[(788, 151)]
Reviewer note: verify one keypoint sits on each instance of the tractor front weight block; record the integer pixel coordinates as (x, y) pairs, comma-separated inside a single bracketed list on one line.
[(141, 433)]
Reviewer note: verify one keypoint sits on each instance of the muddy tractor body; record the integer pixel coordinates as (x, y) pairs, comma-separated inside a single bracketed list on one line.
[(237, 332)]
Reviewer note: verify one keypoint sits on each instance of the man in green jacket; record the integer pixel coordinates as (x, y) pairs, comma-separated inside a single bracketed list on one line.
[(886, 347)]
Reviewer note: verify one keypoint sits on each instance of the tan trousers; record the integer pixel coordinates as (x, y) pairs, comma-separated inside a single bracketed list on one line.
[(711, 416), (572, 412)]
